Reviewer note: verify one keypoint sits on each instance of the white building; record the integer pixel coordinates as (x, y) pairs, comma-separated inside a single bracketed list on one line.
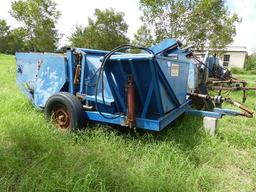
[(233, 56)]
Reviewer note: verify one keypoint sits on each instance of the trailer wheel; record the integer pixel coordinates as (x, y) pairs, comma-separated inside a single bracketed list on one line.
[(65, 111)]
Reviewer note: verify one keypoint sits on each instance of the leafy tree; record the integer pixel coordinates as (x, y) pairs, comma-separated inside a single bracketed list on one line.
[(4, 33), (143, 37), (39, 18), (4, 28), (199, 22), (106, 32), (77, 38), (250, 62), (12, 40), (17, 40)]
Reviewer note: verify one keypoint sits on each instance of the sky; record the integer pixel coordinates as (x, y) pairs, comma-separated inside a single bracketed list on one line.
[(76, 12)]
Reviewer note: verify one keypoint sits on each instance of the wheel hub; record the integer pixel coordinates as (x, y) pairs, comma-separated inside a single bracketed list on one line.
[(61, 117)]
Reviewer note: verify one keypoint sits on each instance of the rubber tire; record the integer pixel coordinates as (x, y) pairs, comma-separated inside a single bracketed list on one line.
[(73, 106)]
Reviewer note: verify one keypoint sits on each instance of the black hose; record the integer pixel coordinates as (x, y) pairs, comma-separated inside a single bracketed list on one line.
[(101, 75)]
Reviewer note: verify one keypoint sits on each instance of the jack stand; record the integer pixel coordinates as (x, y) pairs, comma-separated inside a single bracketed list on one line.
[(210, 125)]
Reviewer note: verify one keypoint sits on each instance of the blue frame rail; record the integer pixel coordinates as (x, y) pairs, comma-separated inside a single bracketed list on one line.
[(143, 123)]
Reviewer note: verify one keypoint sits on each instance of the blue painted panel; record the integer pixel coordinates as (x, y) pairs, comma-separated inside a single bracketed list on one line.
[(42, 75), (27, 65), (204, 113), (230, 112), (171, 116), (163, 45), (176, 74), (192, 77), (164, 121), (92, 65), (119, 66), (142, 123), (70, 69), (95, 116)]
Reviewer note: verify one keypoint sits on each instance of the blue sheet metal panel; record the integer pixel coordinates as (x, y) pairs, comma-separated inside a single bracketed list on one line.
[(70, 70), (25, 91), (169, 90), (230, 112), (142, 123), (211, 61), (147, 101), (148, 124), (204, 113), (161, 123), (84, 67), (142, 68), (42, 75), (136, 79), (93, 64), (89, 72), (27, 65), (167, 93), (116, 92), (176, 74), (108, 102), (136, 57), (172, 115), (95, 116), (51, 78), (163, 45), (120, 66), (119, 81), (156, 84), (95, 51), (192, 77)]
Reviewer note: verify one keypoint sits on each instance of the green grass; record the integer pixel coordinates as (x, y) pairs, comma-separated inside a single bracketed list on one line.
[(36, 157), (239, 71)]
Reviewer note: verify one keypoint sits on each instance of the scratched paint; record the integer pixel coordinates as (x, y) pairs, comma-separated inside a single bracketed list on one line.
[(45, 80)]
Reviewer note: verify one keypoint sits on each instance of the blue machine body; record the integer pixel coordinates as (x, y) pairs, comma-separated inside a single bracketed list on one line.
[(160, 80), (40, 75)]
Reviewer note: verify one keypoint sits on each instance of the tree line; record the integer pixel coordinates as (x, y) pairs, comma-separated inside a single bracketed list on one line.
[(197, 22)]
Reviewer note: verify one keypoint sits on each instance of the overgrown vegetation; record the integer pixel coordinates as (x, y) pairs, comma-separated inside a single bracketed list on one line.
[(249, 67), (38, 31), (106, 32), (36, 157), (197, 22), (39, 19), (237, 70), (12, 40), (250, 63)]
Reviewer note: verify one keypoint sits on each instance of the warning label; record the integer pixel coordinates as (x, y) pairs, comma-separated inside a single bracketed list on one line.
[(175, 70)]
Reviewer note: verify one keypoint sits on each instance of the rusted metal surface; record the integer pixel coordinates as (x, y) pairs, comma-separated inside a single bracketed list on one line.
[(233, 88), (130, 102), (244, 92), (61, 117), (78, 70), (247, 112), (240, 85), (80, 96), (215, 81)]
